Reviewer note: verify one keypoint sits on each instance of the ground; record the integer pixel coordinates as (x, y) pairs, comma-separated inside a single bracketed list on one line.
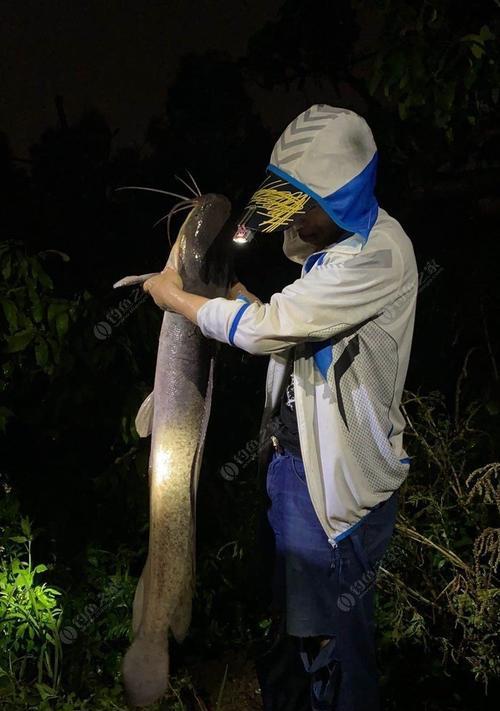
[(240, 691)]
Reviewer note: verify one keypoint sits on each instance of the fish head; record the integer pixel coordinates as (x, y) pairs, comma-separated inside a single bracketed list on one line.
[(203, 246)]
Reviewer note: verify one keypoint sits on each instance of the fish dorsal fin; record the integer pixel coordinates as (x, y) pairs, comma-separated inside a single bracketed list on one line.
[(144, 417)]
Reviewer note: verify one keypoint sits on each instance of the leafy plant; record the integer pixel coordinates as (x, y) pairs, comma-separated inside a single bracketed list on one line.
[(430, 68), (34, 321), (440, 579), (30, 648)]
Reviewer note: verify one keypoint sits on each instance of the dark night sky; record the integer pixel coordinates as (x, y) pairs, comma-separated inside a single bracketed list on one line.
[(115, 55)]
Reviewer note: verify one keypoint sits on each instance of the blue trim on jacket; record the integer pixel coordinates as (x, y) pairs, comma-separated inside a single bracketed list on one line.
[(356, 525), (323, 356), (353, 206), (348, 532), (318, 257), (237, 318)]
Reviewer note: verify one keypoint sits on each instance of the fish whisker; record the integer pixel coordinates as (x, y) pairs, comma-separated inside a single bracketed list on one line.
[(194, 182), (169, 236), (189, 187), (168, 223), (179, 207), (153, 190), (174, 211)]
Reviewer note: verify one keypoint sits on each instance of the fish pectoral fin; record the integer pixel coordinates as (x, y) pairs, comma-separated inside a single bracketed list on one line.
[(144, 417), (134, 279)]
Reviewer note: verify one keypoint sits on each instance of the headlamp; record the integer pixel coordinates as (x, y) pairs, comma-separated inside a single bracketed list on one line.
[(243, 235)]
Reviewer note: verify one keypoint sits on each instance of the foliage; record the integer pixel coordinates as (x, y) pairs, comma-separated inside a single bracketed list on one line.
[(52, 640), (433, 79), (425, 76), (30, 648), (77, 359), (435, 65), (34, 321), (441, 578)]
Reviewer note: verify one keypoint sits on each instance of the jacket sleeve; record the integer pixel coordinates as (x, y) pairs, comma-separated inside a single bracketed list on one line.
[(330, 298)]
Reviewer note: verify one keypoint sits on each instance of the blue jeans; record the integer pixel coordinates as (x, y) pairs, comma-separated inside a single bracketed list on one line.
[(322, 591)]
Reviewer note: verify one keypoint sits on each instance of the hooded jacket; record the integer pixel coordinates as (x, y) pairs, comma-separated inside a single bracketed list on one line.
[(350, 317)]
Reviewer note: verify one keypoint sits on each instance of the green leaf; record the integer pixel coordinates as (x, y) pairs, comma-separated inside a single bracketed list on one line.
[(10, 312), (476, 44), (19, 341), (54, 348), (55, 309), (493, 407), (471, 38), (25, 526), (62, 323), (37, 309), (42, 353), (486, 34), (21, 629), (39, 273), (45, 691), (477, 50), (403, 110)]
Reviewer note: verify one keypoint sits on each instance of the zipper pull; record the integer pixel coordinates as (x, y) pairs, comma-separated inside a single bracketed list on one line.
[(333, 542)]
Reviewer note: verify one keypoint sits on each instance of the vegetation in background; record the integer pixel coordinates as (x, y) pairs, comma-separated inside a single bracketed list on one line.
[(77, 360)]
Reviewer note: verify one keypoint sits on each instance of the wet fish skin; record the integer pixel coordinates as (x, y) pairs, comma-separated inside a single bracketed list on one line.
[(179, 411)]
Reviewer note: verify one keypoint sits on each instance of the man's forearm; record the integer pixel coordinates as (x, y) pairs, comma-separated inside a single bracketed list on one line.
[(167, 292), (185, 303)]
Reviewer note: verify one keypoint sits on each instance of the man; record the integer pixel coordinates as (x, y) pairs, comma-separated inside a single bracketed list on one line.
[(339, 341)]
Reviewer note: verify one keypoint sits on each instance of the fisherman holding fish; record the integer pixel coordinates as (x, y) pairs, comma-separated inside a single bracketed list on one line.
[(338, 340)]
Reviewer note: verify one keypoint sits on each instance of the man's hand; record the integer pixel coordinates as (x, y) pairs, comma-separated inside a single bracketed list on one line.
[(167, 289), (168, 293), (238, 288), (164, 288)]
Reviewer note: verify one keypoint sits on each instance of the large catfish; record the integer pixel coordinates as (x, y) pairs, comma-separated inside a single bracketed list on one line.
[(176, 414)]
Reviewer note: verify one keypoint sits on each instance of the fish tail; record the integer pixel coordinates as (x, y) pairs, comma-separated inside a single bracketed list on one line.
[(145, 671)]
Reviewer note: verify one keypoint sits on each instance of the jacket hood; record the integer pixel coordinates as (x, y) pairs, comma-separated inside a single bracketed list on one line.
[(330, 154)]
